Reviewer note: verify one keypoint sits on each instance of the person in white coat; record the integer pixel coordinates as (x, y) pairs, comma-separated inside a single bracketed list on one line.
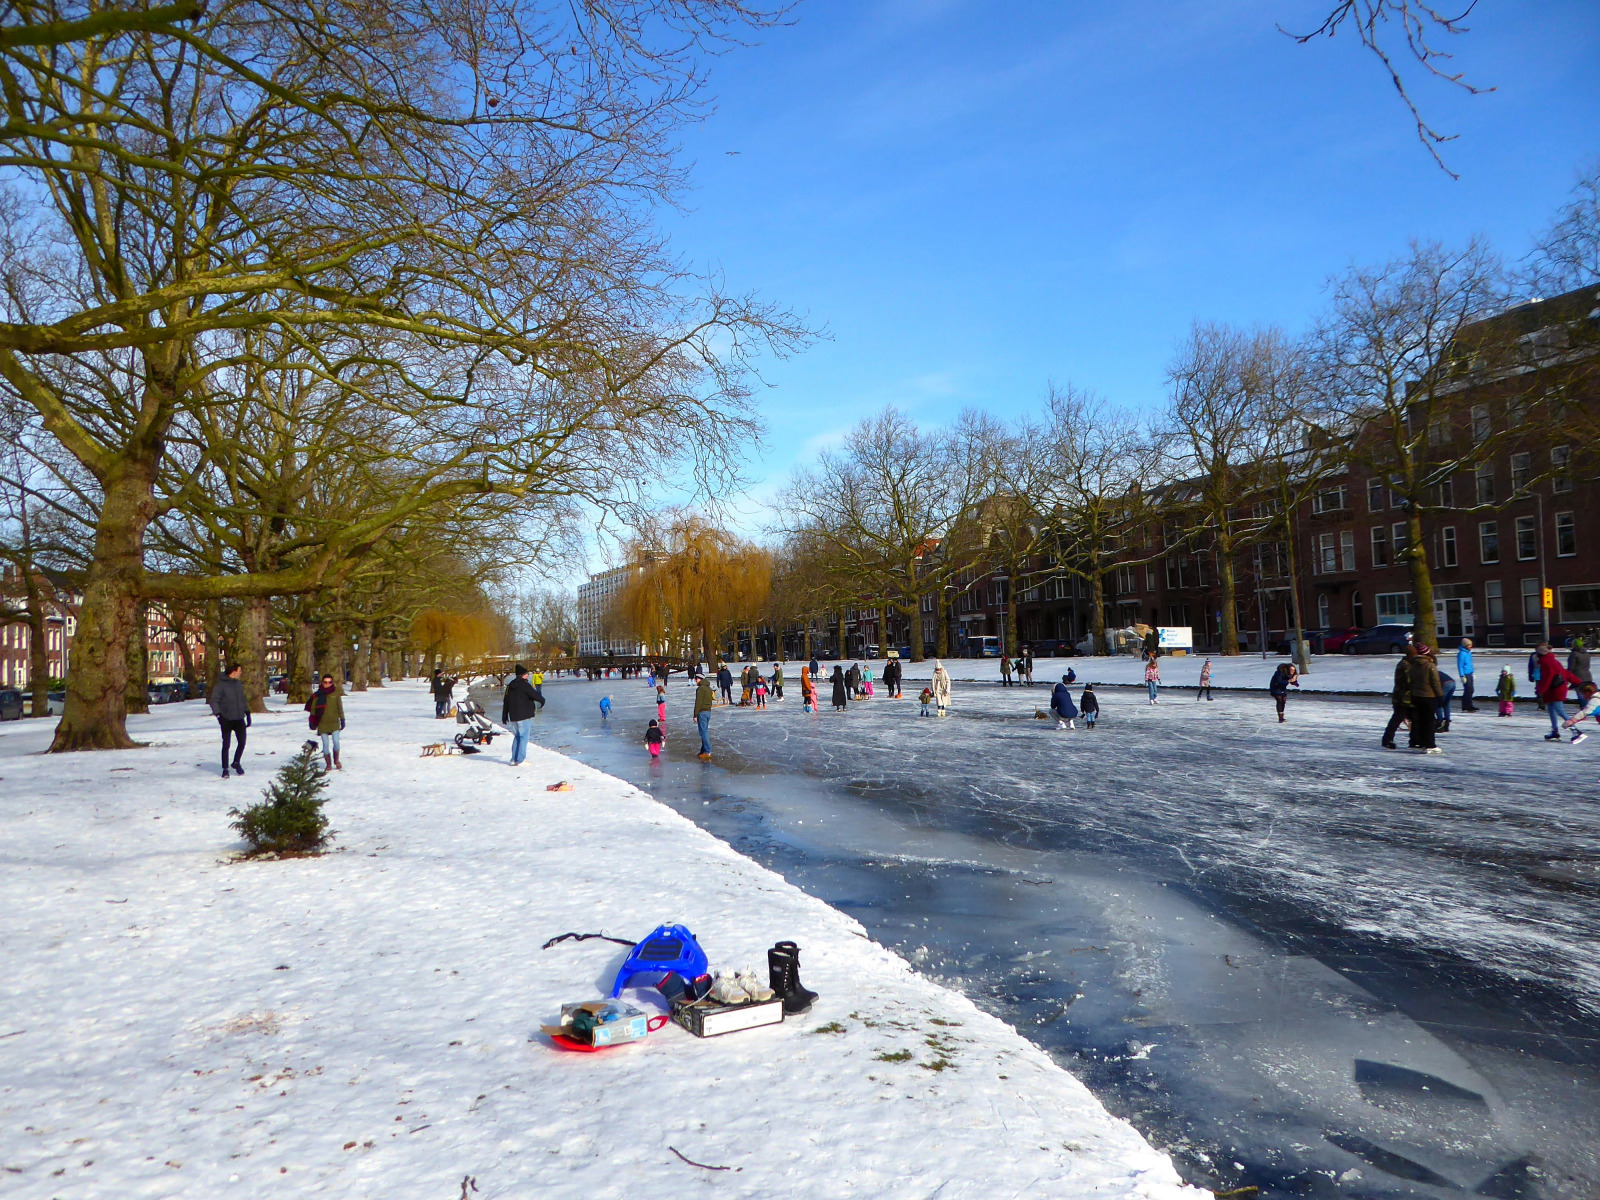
[(941, 687)]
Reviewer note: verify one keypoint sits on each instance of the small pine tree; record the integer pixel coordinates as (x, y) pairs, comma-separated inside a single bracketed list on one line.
[(290, 819)]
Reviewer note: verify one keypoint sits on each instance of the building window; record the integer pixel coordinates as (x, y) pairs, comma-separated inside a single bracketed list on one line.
[(1581, 603), (1447, 492), (1489, 542), (1327, 554), (1374, 495), (1447, 540), (1150, 577), (1484, 477), (1566, 535), (1521, 472), (1494, 600), (1531, 609), (1330, 500), (1394, 608), (1560, 457), (1324, 612), (1527, 540), (1380, 545), (1439, 431), (1347, 549), (1400, 538), (1482, 427)]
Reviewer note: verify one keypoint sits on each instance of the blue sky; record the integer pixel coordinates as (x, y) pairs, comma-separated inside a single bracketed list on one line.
[(974, 198)]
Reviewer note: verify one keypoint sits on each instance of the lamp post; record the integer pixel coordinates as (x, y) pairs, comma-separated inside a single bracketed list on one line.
[(1544, 612)]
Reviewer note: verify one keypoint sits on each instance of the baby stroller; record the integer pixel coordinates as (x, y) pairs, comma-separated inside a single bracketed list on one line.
[(480, 730)]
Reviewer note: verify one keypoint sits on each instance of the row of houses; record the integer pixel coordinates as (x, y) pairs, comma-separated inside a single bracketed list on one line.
[(61, 627)]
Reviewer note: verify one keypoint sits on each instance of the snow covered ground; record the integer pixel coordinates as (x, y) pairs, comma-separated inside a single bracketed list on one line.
[(365, 1023)]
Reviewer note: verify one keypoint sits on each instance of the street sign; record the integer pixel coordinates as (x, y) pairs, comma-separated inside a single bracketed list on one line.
[(1175, 637), (1549, 597)]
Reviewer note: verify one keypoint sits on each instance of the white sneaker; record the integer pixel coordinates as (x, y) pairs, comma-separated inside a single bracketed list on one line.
[(753, 986), (1579, 737), (1433, 750)]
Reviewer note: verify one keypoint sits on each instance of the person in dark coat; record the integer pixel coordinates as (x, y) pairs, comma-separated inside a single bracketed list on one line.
[(1578, 661), (725, 683), (1278, 688), (326, 707), (1399, 699), (1061, 704), (841, 696), (1090, 704), (892, 674), (815, 666), (852, 680), (232, 710), (441, 688), (517, 710)]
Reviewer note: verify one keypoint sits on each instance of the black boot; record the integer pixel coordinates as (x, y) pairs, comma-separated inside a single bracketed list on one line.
[(783, 969)]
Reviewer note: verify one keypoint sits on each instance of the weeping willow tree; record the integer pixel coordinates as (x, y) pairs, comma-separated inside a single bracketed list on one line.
[(694, 580), (449, 636)]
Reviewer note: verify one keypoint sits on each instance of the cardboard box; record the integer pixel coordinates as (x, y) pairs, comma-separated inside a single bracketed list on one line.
[(712, 1020), (618, 1023)]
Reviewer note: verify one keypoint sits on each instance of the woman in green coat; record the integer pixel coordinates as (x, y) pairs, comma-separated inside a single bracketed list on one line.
[(326, 707)]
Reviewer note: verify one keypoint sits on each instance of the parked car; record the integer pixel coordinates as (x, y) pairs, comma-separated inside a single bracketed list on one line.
[(1380, 639), (55, 702), (11, 705), (1054, 648), (1334, 640), (1315, 638), (167, 693)]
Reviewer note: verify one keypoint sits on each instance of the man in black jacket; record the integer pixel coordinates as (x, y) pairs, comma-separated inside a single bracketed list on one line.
[(232, 710), (517, 711), (441, 687)]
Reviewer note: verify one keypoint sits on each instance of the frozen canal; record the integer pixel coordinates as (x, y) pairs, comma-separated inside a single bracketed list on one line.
[(1290, 958)]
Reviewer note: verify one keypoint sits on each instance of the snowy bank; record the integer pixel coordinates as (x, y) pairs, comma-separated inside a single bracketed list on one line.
[(364, 1023)]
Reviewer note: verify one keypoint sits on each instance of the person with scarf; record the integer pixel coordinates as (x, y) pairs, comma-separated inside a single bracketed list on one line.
[(326, 707)]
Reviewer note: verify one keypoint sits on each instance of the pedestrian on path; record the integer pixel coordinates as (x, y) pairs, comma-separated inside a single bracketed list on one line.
[(816, 667), (1464, 670), (1553, 682), (1205, 682), (1152, 677), (652, 739), (1278, 688), (940, 687), (518, 707), (841, 692), (326, 707), (1506, 690), (1005, 671), (1027, 666), (441, 687), (777, 681), (891, 679), (1090, 704), (1426, 691), (1061, 704), (704, 702), (232, 710)]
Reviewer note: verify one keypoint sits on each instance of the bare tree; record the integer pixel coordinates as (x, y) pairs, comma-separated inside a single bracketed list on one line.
[(1567, 255)]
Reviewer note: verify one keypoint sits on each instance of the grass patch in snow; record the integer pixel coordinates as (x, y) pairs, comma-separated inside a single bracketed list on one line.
[(894, 1056)]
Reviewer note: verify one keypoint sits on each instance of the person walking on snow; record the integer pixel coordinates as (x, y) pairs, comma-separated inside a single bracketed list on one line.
[(441, 686), (1005, 671), (1464, 670), (1506, 690), (841, 693), (940, 687), (777, 681), (1278, 688), (1090, 704), (704, 702), (1025, 669), (1152, 677), (1061, 705), (652, 739), (517, 709), (725, 682), (326, 707), (1426, 691), (1205, 681), (232, 710), (1553, 682)]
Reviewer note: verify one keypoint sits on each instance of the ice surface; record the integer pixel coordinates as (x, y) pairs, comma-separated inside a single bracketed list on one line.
[(1212, 918), (364, 1023)]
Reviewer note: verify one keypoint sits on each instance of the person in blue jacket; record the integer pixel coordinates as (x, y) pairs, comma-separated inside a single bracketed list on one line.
[(605, 708), (1061, 704), (1464, 669)]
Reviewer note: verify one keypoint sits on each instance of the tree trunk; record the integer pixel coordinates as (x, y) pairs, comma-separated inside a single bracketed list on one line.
[(250, 650), (363, 660), (913, 615), (96, 708), (1230, 607), (805, 640), (185, 656), (1302, 651), (325, 643), (941, 629), (840, 634), (1423, 629), (137, 695), (213, 635), (1011, 646), (302, 661), (1097, 611)]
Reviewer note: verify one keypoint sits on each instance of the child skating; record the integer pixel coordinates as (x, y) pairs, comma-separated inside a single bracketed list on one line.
[(1506, 690), (927, 700), (1089, 706), (652, 739)]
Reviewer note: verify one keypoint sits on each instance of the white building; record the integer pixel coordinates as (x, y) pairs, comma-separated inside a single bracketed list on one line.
[(594, 598)]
